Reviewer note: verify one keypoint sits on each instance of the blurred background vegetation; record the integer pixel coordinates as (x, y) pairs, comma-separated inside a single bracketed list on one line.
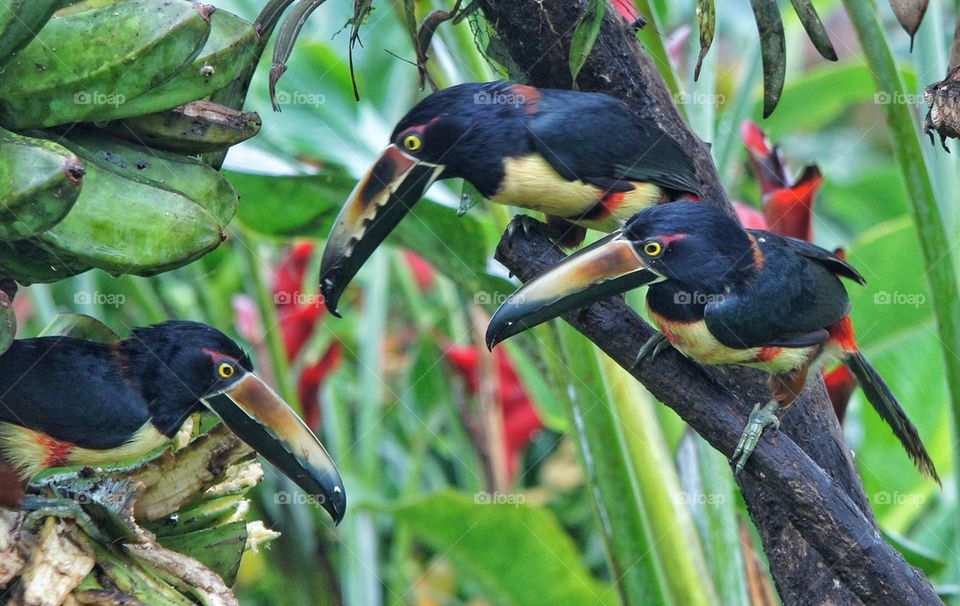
[(462, 470)]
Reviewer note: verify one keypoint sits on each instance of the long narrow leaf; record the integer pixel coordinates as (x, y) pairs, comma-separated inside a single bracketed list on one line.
[(773, 51), (815, 30), (585, 35)]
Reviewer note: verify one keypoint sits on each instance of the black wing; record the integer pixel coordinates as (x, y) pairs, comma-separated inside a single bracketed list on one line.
[(595, 138), (821, 255), (791, 302), (68, 389)]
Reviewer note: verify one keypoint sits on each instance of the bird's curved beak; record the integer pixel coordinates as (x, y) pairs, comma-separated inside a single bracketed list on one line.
[(607, 267), (380, 200), (259, 417)]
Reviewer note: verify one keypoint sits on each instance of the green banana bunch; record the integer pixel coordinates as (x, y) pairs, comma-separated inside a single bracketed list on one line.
[(123, 225), (39, 183), (19, 20), (93, 56), (194, 128), (188, 176), (229, 49), (33, 262)]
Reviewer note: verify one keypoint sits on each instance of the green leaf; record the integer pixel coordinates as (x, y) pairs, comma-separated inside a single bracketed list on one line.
[(219, 548), (773, 51), (80, 326), (707, 22), (517, 553), (585, 35), (8, 321), (286, 206), (815, 30)]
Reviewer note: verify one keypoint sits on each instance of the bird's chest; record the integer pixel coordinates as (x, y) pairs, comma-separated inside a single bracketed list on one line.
[(531, 182), (31, 451), (694, 340)]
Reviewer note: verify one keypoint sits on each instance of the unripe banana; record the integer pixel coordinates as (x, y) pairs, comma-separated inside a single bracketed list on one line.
[(19, 22), (122, 225), (229, 49), (194, 128), (94, 55), (39, 183), (32, 262), (189, 176)]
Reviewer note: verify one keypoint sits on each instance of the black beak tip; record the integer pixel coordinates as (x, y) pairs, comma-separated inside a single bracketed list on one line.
[(330, 293), (496, 333), (336, 505)]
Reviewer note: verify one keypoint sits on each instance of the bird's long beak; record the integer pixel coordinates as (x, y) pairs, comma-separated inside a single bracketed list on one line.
[(259, 417), (382, 197), (607, 267)]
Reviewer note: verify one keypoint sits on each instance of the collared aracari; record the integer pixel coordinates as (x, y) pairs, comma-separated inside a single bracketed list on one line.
[(721, 295), (67, 401), (581, 158)]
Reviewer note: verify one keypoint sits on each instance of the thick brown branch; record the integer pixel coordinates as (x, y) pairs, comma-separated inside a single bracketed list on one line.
[(802, 490)]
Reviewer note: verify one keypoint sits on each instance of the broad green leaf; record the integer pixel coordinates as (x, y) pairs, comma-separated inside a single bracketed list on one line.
[(80, 326), (835, 87), (287, 206), (518, 554), (585, 35), (218, 548)]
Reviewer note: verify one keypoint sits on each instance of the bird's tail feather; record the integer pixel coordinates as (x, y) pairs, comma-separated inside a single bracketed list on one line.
[(886, 405)]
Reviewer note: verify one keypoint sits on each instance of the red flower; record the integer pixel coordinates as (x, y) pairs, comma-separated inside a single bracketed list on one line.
[(521, 421), (298, 315), (750, 217), (788, 210), (423, 272)]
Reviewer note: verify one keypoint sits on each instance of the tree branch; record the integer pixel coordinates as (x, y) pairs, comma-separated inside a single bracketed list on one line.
[(801, 488)]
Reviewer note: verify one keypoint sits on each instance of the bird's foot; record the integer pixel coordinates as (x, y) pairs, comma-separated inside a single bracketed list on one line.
[(651, 349), (759, 419), (524, 223)]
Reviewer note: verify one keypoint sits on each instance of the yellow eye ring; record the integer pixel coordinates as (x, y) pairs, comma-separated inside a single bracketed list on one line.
[(652, 249), (412, 143), (226, 370)]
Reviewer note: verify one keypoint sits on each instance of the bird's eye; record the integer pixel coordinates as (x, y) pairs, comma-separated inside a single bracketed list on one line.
[(653, 249), (226, 370), (412, 143)]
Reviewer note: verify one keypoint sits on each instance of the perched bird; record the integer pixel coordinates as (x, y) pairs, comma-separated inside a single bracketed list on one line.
[(721, 295), (581, 158), (67, 401)]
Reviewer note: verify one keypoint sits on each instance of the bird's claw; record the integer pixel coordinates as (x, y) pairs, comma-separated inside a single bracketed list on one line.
[(525, 223), (759, 419), (651, 349)]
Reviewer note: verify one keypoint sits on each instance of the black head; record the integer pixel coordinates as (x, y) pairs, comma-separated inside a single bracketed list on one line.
[(694, 244), (468, 129), (688, 245), (180, 362), (184, 366)]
